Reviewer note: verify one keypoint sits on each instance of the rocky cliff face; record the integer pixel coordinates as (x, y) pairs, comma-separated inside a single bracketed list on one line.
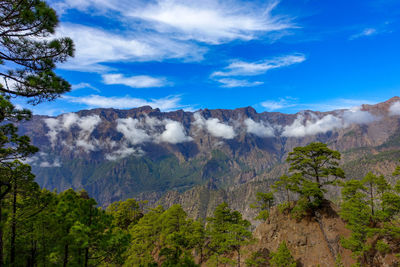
[(313, 241), (201, 158)]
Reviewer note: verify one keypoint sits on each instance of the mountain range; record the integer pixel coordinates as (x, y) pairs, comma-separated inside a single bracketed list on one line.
[(199, 159)]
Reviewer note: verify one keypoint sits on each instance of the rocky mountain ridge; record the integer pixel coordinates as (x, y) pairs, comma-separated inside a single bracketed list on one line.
[(200, 158)]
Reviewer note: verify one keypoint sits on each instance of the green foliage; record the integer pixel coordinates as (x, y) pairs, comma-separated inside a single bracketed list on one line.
[(170, 233), (127, 212), (227, 231), (263, 204), (312, 168), (338, 261), (370, 207), (286, 184), (284, 207), (30, 58), (282, 257), (256, 259), (382, 247)]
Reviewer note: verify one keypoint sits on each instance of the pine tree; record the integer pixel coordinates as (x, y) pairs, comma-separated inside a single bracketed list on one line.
[(127, 212), (370, 207), (312, 168), (282, 257), (264, 202), (227, 231), (28, 53)]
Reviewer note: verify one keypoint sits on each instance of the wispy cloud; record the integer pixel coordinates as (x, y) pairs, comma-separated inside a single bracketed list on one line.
[(207, 21), (271, 105), (97, 47), (295, 105), (212, 22), (230, 83), (364, 32), (242, 68), (139, 81), (83, 85), (164, 29), (97, 101)]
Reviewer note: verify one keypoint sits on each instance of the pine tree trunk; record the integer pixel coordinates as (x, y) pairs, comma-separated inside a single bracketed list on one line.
[(87, 249), (372, 200), (238, 258), (13, 225), (44, 248), (65, 255), (86, 257), (1, 235)]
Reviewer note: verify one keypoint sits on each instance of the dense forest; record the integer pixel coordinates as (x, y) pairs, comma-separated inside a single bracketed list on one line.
[(43, 228)]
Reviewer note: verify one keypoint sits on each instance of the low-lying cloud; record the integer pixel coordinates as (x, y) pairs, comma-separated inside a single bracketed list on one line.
[(261, 129), (394, 109), (65, 122), (303, 126), (174, 133), (214, 127), (138, 131), (149, 129), (43, 160)]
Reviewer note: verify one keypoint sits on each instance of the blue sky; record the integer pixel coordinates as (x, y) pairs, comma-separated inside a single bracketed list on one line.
[(281, 56)]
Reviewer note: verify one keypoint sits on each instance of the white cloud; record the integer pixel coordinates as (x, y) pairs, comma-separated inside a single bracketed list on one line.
[(206, 21), (139, 81), (365, 32), (241, 68), (315, 124), (97, 101), (165, 29), (394, 109), (302, 127), (151, 129), (214, 127), (356, 115), (123, 152), (65, 122), (230, 83), (262, 129), (329, 105), (87, 125), (43, 160), (274, 105), (129, 127), (174, 133), (82, 86), (96, 46), (211, 22), (54, 164), (53, 126)]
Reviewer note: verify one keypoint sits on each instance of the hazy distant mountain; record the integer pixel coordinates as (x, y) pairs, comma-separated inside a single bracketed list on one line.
[(201, 158)]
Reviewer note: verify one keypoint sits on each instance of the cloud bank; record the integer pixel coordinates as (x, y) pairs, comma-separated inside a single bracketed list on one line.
[(77, 131), (261, 129), (303, 126), (64, 123), (394, 109), (214, 127)]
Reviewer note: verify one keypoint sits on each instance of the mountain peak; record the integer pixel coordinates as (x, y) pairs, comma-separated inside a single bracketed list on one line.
[(382, 107)]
